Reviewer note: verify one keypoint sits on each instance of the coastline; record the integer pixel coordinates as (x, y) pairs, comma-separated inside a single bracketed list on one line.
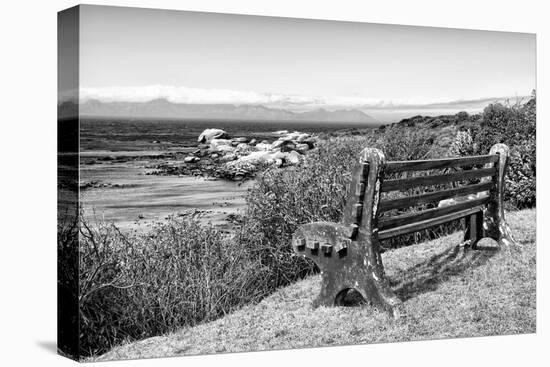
[(126, 195)]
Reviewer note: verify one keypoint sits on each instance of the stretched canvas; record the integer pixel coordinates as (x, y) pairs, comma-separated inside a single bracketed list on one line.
[(237, 183)]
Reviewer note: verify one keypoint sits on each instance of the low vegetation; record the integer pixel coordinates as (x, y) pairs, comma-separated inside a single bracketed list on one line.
[(183, 273), (448, 292)]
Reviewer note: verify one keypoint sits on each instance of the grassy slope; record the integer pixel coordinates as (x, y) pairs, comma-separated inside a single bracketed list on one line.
[(447, 292)]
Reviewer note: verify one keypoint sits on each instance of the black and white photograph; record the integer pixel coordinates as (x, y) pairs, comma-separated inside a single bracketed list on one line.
[(241, 183)]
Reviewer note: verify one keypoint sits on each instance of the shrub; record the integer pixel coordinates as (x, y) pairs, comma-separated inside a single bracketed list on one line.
[(515, 126), (180, 273)]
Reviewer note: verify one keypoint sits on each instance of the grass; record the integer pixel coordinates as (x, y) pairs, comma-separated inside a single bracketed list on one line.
[(447, 291)]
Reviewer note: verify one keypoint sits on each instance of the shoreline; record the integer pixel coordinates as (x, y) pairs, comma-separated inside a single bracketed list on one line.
[(123, 193)]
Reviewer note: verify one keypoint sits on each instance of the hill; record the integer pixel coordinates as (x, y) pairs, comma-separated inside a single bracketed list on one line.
[(447, 292), (162, 108)]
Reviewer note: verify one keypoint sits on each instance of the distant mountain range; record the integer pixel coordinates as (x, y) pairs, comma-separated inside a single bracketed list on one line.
[(162, 108)]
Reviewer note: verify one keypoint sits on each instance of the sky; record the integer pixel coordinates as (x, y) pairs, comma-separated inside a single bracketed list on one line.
[(130, 54)]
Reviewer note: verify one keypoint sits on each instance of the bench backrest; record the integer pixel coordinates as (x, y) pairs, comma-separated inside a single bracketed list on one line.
[(474, 183)]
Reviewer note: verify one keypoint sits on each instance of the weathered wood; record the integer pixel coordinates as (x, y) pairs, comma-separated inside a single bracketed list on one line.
[(358, 212), (494, 221), (414, 200), (418, 226), (348, 253), (407, 183), (473, 231), (313, 245), (326, 248), (422, 165), (358, 184), (400, 220)]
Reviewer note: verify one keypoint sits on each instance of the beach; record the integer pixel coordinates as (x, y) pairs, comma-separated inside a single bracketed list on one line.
[(125, 195)]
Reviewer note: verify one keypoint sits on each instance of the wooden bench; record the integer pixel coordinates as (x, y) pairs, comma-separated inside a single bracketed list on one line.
[(348, 253)]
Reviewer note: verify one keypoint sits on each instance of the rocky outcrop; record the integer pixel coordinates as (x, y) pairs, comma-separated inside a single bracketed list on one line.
[(209, 134), (240, 158)]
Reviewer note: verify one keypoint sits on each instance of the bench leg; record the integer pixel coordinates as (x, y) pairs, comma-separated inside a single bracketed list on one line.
[(494, 221), (474, 229), (330, 289)]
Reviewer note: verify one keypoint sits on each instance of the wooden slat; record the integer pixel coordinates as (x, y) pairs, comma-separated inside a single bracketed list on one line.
[(407, 183), (418, 226), (400, 166), (415, 200), (401, 220)]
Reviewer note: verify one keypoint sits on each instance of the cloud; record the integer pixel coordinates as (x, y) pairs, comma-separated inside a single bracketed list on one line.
[(182, 94)]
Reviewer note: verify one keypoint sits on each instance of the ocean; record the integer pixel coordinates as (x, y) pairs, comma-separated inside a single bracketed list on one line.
[(136, 135)]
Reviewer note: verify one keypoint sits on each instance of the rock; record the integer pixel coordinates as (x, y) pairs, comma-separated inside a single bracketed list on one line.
[(277, 144), (302, 148), (240, 140), (302, 137), (310, 143), (256, 158), (293, 157), (243, 148), (195, 152), (252, 142), (289, 146), (229, 157), (209, 134), (278, 155), (278, 162), (225, 149), (280, 132), (216, 143), (156, 141), (291, 136), (264, 142), (214, 156), (191, 159), (263, 146)]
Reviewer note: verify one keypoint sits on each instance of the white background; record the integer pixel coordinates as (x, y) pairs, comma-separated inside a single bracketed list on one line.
[(28, 180)]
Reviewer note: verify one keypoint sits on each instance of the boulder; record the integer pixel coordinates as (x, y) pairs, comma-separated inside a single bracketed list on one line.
[(209, 134), (263, 146), (293, 157), (302, 148), (225, 149), (310, 142), (290, 136), (242, 148), (229, 157), (216, 143), (277, 144), (289, 146), (280, 132), (257, 158), (191, 159)]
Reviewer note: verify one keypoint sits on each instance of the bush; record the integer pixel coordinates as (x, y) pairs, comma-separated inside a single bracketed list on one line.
[(181, 273), (515, 126)]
